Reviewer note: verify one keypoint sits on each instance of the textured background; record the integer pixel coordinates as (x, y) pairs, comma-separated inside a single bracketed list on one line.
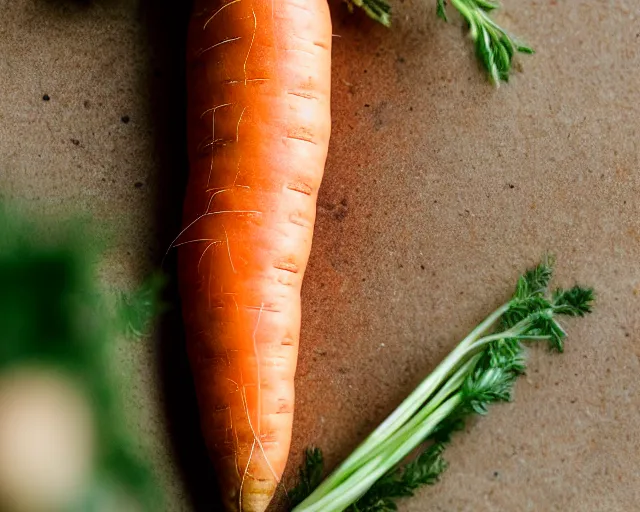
[(439, 190)]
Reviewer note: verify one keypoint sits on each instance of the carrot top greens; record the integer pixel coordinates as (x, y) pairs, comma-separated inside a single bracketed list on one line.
[(480, 371), (495, 48)]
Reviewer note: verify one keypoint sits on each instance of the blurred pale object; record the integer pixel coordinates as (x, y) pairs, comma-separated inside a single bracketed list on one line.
[(46, 441)]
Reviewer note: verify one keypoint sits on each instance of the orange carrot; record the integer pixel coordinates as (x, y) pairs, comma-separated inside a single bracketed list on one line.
[(258, 133)]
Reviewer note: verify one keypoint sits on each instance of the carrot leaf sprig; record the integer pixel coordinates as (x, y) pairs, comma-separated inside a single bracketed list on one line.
[(310, 475), (403, 481), (495, 47), (479, 372), (378, 10)]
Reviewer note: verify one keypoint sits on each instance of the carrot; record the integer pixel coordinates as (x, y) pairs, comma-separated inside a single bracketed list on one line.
[(258, 133)]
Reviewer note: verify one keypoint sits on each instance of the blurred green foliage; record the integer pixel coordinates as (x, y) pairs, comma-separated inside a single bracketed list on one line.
[(54, 314)]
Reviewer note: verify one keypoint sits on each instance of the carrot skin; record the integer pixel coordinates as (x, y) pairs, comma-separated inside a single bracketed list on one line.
[(258, 133)]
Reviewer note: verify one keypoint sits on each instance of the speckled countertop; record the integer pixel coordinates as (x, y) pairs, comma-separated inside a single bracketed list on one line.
[(439, 190)]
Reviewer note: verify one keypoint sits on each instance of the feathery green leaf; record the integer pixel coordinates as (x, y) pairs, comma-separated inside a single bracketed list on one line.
[(481, 371), (402, 482), (137, 310), (441, 10), (576, 301), (310, 475)]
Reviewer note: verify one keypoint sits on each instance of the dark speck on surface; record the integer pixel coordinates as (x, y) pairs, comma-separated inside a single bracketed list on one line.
[(341, 214), (496, 474), (421, 267), (46, 97), (138, 184), (367, 105), (75, 142), (511, 185), (125, 119), (87, 104)]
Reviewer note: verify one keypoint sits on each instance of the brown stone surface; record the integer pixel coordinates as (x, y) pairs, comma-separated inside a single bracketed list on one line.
[(439, 190)]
